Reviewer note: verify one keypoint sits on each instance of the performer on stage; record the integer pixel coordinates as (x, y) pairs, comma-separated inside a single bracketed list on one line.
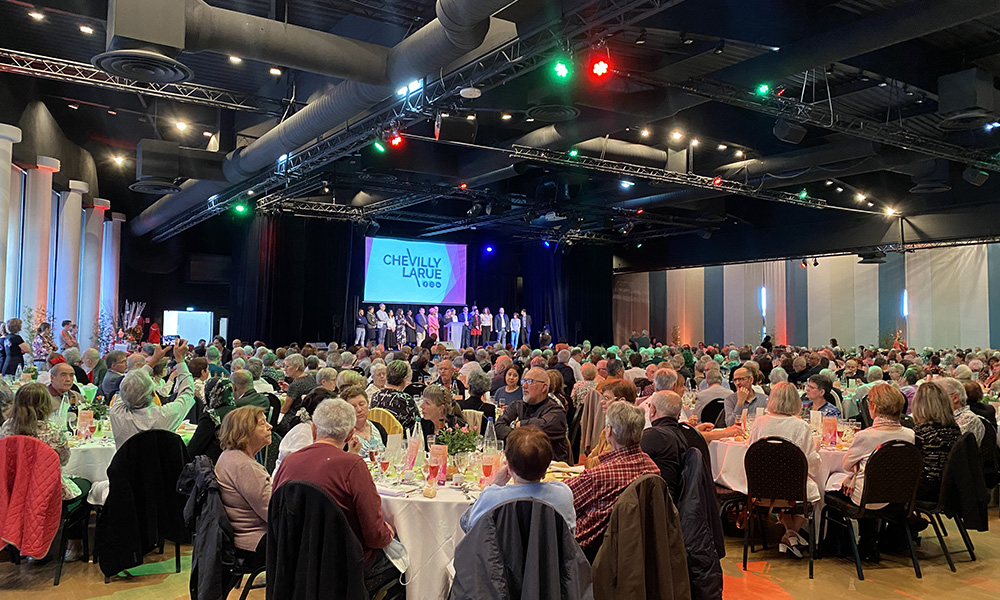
[(432, 322), (382, 319), (476, 328), (487, 320), (515, 328), (411, 329), (465, 319), (400, 328), (372, 326), (525, 327), (502, 324), (361, 323), (421, 323)]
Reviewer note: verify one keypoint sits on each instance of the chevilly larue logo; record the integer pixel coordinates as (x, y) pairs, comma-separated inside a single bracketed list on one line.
[(424, 270)]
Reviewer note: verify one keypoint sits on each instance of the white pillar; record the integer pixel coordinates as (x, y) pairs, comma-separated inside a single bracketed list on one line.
[(36, 237), (68, 251), (109, 259), (90, 274), (9, 135)]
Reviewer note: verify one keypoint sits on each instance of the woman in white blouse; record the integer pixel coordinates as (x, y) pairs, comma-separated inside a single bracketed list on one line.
[(885, 403), (782, 421)]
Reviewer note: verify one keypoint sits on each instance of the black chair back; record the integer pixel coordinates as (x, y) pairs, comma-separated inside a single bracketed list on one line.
[(275, 410), (712, 411), (271, 380), (892, 474), (776, 470), (694, 439), (864, 415), (990, 454)]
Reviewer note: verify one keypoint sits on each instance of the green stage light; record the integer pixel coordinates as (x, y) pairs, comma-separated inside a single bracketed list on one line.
[(561, 69), (379, 147), (803, 195), (763, 89), (573, 153), (240, 208)]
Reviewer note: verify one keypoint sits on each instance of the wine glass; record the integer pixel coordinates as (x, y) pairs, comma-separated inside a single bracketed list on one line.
[(383, 462), (433, 467)]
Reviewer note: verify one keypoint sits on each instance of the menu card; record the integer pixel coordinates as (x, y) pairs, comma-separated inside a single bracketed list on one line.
[(439, 452), (830, 430), (85, 418)]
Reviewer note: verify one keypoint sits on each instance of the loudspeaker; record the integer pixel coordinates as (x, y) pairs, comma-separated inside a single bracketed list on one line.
[(455, 128), (793, 133), (975, 176)]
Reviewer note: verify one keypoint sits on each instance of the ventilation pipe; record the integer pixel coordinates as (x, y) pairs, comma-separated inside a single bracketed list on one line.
[(873, 32), (146, 36), (460, 27)]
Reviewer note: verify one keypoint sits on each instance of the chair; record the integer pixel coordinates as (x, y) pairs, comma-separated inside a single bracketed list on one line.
[(268, 455), (473, 417), (271, 380), (274, 412), (574, 432), (726, 498), (592, 421), (892, 475), (934, 510), (387, 420), (777, 471), (713, 410)]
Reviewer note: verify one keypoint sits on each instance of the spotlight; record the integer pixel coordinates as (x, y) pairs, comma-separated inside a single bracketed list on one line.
[(600, 68), (118, 160), (240, 208), (470, 117), (803, 263), (529, 120), (644, 133), (275, 71), (717, 181), (379, 147), (74, 106), (561, 69), (695, 142), (181, 125), (676, 135), (326, 190), (489, 249), (626, 184), (890, 211), (642, 38), (720, 48), (506, 116), (639, 212), (36, 15), (474, 211), (547, 244), (207, 134), (815, 262), (282, 158), (803, 194), (686, 40), (829, 182), (722, 147), (738, 154), (871, 204), (840, 190), (639, 245), (112, 112), (396, 140), (250, 192), (860, 197), (573, 153), (463, 186), (235, 60), (763, 89), (87, 29), (190, 309), (373, 226)]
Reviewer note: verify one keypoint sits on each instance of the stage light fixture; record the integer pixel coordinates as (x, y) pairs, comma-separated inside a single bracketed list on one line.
[(118, 160), (738, 154), (506, 117), (815, 262), (840, 190), (275, 71), (600, 68), (474, 211), (829, 182), (763, 89), (181, 125), (190, 309), (38, 16), (717, 181), (74, 106), (250, 192), (561, 69), (378, 146), (547, 244), (639, 245), (573, 153), (463, 186), (626, 184), (326, 190), (803, 263), (396, 140), (235, 60), (890, 211), (803, 194), (87, 29), (642, 37), (639, 212), (722, 147), (644, 132), (871, 204), (686, 40), (694, 141), (860, 197), (112, 112), (489, 249), (676, 135), (470, 117), (240, 208), (719, 49), (207, 134)]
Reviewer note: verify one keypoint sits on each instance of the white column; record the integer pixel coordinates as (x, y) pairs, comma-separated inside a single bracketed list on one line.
[(90, 274), (68, 251), (110, 262), (12, 290), (9, 135), (36, 238)]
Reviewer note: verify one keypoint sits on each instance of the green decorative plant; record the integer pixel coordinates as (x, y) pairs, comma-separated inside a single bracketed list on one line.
[(458, 439), (100, 409)]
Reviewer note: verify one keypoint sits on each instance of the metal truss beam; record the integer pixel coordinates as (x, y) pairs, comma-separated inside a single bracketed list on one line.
[(33, 65), (574, 32), (656, 174)]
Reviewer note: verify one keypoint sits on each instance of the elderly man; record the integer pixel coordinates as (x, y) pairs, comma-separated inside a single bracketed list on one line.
[(602, 370), (133, 410), (420, 324), (61, 382), (95, 366), (568, 375), (117, 366), (713, 391), (382, 322), (664, 441), (345, 477), (595, 491), (744, 398), (215, 369), (256, 368), (72, 356), (447, 379), (243, 392), (800, 371), (967, 420), (539, 409), (614, 370), (576, 363)]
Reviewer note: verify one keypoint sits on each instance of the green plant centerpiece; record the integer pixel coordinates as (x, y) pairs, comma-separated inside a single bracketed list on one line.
[(458, 439)]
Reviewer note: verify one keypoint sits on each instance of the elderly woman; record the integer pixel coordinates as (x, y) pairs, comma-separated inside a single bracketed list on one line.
[(378, 379), (782, 420), (393, 397), (219, 402), (936, 433), (885, 404), (528, 451), (583, 388), (12, 348), (618, 390), (244, 485), (819, 396), (348, 378), (133, 410), (478, 385), (371, 435), (43, 345), (302, 433), (199, 372), (439, 410)]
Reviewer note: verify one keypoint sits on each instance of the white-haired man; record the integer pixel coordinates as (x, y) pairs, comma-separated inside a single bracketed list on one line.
[(663, 441)]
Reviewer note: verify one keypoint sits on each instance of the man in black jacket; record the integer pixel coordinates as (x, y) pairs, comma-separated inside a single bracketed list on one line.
[(664, 442)]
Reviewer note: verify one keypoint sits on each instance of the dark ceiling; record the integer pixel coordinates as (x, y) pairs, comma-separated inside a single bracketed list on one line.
[(690, 45)]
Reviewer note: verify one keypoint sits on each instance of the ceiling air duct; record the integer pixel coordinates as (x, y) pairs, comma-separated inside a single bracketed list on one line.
[(966, 99), (145, 37)]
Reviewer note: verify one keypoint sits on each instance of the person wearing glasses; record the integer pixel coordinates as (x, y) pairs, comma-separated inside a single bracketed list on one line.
[(744, 398), (117, 366), (537, 408)]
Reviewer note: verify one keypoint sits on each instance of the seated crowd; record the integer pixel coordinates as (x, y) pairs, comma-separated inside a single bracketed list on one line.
[(619, 409)]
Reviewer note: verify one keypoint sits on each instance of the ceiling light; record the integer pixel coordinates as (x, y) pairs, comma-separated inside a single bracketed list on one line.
[(720, 48), (840, 190), (860, 197), (686, 40), (469, 93), (465, 186), (74, 105), (829, 182), (561, 69), (803, 263), (626, 184), (722, 146), (379, 147), (118, 160), (775, 48), (890, 211), (600, 68), (241, 208), (573, 153), (644, 133), (112, 111), (326, 190), (207, 134), (642, 38), (86, 29), (250, 192), (470, 117), (870, 204), (803, 194), (529, 120), (401, 91), (676, 135), (275, 71), (739, 154), (883, 84), (694, 141), (181, 125), (36, 15), (396, 140), (235, 60), (506, 116), (282, 158)]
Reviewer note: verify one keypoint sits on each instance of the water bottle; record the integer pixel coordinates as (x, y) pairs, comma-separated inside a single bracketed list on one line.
[(490, 436)]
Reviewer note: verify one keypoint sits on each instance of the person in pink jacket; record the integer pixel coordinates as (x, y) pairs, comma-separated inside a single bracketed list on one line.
[(433, 326)]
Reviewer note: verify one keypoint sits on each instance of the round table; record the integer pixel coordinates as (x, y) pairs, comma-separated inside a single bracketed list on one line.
[(429, 529), (90, 459), (727, 464)]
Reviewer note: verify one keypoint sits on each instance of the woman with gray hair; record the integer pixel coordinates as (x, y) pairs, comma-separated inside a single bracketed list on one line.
[(219, 402), (479, 386), (782, 421), (393, 397), (133, 410)]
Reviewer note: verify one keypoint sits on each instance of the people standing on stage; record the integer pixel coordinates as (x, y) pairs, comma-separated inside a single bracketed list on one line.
[(515, 328), (361, 323), (465, 318), (400, 328), (382, 318), (411, 329), (502, 324), (390, 331), (433, 324), (525, 327), (476, 328), (371, 327), (421, 323), (487, 320)]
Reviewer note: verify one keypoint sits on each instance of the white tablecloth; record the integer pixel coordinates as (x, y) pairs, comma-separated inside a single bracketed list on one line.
[(429, 529), (727, 464), (90, 459)]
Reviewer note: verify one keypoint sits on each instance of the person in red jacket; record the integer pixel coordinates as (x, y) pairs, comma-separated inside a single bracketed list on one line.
[(153, 337)]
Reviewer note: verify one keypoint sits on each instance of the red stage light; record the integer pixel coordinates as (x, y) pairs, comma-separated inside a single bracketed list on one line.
[(717, 181), (463, 185), (638, 212), (600, 68), (396, 140)]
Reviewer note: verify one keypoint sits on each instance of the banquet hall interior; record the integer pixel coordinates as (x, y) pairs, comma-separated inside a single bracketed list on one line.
[(765, 227)]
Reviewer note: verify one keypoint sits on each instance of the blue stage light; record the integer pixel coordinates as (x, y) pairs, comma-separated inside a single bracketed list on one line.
[(546, 244), (489, 248)]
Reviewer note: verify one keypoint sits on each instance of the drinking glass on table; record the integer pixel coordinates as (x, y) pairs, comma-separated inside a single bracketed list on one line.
[(433, 466), (383, 463)]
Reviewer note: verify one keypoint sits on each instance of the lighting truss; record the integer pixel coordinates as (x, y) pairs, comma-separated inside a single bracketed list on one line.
[(819, 115), (505, 63), (655, 174), (33, 65)]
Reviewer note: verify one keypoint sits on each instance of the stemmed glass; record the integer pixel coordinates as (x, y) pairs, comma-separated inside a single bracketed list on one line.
[(383, 463), (433, 466)]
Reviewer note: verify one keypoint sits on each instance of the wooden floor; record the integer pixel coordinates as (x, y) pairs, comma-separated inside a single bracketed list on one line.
[(769, 576)]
